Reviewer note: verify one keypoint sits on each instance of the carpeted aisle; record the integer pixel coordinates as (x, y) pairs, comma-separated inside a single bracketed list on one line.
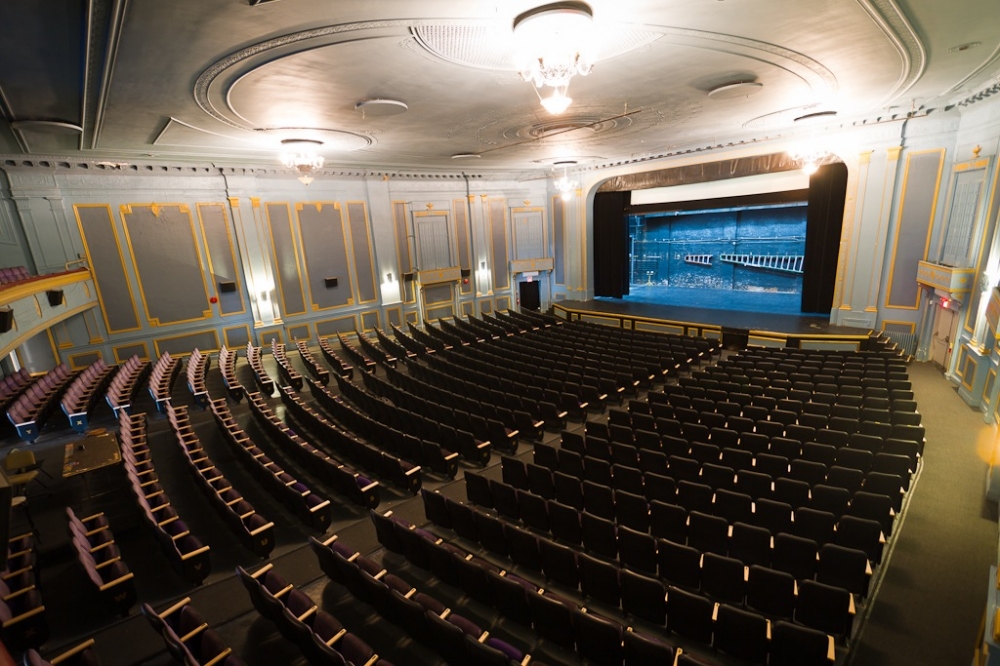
[(933, 595)]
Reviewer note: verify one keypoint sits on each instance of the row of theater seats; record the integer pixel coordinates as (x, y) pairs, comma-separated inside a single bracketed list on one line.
[(380, 355), (254, 531), (392, 345), (126, 383), (468, 412), (418, 425), (313, 366), (264, 381), (599, 638), (359, 489), (12, 386), (82, 654), (22, 614), (320, 635), (32, 408), (312, 508), (187, 554), (188, 637), (354, 355), (289, 375), (197, 367), (95, 549), (472, 442), (161, 380), (227, 366), (413, 346), (84, 392), (12, 274), (339, 365), (347, 444)]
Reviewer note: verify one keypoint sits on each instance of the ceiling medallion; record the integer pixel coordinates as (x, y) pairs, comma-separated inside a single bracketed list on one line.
[(552, 45), (379, 108)]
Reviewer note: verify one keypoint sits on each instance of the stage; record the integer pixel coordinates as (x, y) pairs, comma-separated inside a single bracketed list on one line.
[(731, 326)]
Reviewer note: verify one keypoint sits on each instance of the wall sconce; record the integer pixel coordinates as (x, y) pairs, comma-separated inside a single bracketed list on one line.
[(390, 289)]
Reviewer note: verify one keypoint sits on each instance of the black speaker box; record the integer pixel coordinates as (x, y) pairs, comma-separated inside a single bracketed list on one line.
[(6, 319), (466, 272), (227, 287), (331, 282), (55, 297), (407, 277)]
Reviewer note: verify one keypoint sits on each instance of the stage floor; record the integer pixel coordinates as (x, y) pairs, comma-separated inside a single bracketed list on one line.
[(764, 322)]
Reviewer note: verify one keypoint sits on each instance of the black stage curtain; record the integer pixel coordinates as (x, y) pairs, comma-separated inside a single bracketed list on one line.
[(611, 243), (825, 216)]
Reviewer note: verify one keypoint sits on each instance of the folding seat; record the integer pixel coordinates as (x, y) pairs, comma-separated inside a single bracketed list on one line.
[(778, 392), (740, 424), (695, 496), (903, 394), (844, 424), (741, 634), (492, 534), (463, 519), (717, 476), (821, 453), (733, 506), (873, 507), (737, 458), (565, 523), (477, 489), (571, 462), (770, 592), (832, 437), (750, 544), (569, 491), (707, 533), (812, 419), (807, 471), (764, 401), (668, 521), (540, 481), (505, 500), (629, 479), (599, 500), (791, 491), (824, 608), (620, 417), (905, 419), (689, 615), (441, 560), (679, 469), (770, 428), (678, 564), (794, 555), (668, 426), (844, 567), (653, 461), (674, 446), (890, 485), (755, 412), (861, 534), (643, 597), (573, 441), (890, 463), (783, 417), (659, 487), (754, 484), (552, 619), (829, 498), (723, 579), (599, 579), (645, 650), (534, 511), (599, 535), (598, 639), (803, 433), (902, 447), (790, 405), (845, 477), (713, 420), (510, 594), (623, 434), (685, 415), (546, 455), (815, 525), (694, 432), (727, 407), (596, 471), (793, 645), (631, 510), (646, 439), (772, 515), (785, 446), (846, 411), (775, 466)]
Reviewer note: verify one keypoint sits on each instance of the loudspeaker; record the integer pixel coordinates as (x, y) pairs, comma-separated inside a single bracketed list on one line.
[(407, 277), (466, 272), (331, 282), (55, 297), (227, 287), (6, 319)]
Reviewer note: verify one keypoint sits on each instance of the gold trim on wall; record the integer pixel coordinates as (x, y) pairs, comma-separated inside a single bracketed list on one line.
[(376, 279), (126, 210), (893, 322), (72, 358), (116, 348), (52, 344), (316, 324), (982, 243), (245, 327), (232, 254), (264, 336), (899, 225), (293, 232), (121, 258), (215, 347), (398, 309), (378, 320)]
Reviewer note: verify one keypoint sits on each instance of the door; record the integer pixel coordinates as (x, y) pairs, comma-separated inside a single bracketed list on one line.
[(944, 323), (530, 295)]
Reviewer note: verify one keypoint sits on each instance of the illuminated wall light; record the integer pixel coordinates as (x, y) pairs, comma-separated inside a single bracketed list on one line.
[(390, 290)]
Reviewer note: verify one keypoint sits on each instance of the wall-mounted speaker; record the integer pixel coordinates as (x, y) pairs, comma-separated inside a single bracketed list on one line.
[(227, 287), (6, 319), (466, 272), (330, 282), (407, 277), (55, 297)]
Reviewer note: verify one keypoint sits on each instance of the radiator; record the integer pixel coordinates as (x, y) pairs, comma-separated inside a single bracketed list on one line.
[(906, 342)]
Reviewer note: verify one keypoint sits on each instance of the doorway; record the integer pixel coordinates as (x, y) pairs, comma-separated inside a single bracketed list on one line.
[(530, 295), (941, 341)]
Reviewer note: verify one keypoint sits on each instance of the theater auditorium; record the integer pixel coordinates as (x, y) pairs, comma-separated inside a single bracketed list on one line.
[(612, 333)]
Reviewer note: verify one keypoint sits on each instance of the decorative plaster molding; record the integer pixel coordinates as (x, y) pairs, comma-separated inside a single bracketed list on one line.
[(890, 18)]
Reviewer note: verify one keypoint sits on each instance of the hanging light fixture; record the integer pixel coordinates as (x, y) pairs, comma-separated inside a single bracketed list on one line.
[(302, 155), (810, 156), (564, 186), (552, 44)]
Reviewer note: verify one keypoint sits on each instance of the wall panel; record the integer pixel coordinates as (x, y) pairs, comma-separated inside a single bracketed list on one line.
[(498, 242), (104, 256), (286, 263), (559, 236), (329, 327), (183, 345), (222, 263), (325, 248), (364, 257)]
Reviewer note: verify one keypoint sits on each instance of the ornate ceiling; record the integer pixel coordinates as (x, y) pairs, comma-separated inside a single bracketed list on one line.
[(224, 81)]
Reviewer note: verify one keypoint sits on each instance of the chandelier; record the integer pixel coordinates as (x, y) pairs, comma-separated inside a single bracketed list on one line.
[(301, 155), (552, 44), (564, 186), (810, 157)]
